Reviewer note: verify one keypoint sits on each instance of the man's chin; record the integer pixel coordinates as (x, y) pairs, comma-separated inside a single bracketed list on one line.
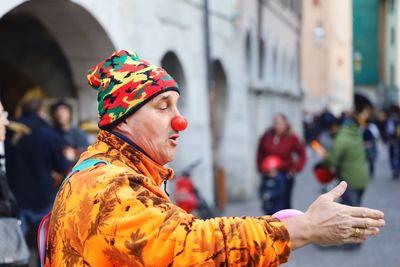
[(169, 159)]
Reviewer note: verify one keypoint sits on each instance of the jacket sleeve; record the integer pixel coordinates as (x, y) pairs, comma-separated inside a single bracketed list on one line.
[(165, 235), (299, 149)]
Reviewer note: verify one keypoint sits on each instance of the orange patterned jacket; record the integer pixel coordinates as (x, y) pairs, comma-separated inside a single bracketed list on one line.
[(117, 215)]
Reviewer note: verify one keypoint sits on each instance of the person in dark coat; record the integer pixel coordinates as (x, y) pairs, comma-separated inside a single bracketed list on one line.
[(30, 161)]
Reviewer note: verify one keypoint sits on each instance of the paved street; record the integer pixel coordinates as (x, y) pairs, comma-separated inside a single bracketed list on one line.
[(383, 193)]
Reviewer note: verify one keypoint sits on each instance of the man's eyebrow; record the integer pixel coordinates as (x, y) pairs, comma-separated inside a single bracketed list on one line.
[(161, 98)]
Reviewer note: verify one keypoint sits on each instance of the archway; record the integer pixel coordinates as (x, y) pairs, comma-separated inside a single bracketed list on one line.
[(51, 44), (173, 66), (43, 64), (218, 99), (218, 102), (248, 54)]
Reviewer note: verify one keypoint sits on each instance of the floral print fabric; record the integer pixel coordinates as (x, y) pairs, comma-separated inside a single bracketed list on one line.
[(117, 215)]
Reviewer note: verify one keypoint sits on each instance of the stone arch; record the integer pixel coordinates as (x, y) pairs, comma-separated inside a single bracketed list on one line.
[(75, 41), (248, 54), (219, 100), (218, 97), (171, 63)]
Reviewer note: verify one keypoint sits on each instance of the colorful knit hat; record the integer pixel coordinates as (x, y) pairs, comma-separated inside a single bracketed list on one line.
[(124, 84)]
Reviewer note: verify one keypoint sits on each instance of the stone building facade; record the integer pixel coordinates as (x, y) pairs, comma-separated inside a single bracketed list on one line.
[(326, 51), (254, 57)]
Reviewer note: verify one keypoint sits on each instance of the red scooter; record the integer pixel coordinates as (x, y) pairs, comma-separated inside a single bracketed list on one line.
[(188, 197)]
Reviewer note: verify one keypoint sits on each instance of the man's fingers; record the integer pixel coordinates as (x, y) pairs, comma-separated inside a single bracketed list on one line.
[(355, 240), (336, 192), (367, 223), (366, 232), (366, 213)]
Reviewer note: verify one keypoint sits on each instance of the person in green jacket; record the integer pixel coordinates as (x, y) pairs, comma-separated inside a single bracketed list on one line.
[(347, 156)]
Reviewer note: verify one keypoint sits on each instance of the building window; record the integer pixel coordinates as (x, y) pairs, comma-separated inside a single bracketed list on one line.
[(261, 59), (248, 53), (392, 36), (274, 65), (391, 5), (392, 74)]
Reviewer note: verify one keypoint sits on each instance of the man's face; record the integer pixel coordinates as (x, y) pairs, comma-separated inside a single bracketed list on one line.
[(150, 127), (3, 123)]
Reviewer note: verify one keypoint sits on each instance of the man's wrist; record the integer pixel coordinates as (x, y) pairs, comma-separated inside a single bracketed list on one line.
[(299, 230)]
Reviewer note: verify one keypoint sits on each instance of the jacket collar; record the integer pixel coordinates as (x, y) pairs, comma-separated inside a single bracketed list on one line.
[(136, 159)]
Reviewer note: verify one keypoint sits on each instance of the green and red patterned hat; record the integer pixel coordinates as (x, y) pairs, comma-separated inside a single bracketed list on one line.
[(124, 84)]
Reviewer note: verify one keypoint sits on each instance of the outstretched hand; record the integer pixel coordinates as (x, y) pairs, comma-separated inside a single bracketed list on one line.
[(329, 223)]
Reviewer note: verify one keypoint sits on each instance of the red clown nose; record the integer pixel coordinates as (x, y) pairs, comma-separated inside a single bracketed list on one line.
[(179, 123)]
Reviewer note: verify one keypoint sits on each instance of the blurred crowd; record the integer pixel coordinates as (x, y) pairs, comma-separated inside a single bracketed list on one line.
[(41, 147), (346, 146), (375, 127)]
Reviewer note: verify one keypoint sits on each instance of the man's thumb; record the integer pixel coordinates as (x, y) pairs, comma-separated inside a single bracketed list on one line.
[(336, 192)]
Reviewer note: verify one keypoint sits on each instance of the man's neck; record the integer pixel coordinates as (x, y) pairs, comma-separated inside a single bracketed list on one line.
[(128, 140)]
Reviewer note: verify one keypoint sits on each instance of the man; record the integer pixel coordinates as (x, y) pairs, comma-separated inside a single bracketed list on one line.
[(112, 212), (30, 161)]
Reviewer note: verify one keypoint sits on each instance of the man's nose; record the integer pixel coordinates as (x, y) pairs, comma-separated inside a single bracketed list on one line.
[(179, 123)]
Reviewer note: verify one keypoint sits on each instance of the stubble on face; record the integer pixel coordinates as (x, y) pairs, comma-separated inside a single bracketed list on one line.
[(150, 127)]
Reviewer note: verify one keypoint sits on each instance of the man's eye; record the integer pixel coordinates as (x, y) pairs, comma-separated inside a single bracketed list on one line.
[(163, 107)]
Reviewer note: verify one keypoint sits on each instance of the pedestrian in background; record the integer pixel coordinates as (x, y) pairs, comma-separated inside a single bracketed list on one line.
[(282, 142), (76, 141), (392, 133), (273, 185), (370, 137), (347, 155), (30, 161)]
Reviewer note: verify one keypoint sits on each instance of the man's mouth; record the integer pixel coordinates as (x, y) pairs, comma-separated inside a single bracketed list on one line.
[(174, 138)]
